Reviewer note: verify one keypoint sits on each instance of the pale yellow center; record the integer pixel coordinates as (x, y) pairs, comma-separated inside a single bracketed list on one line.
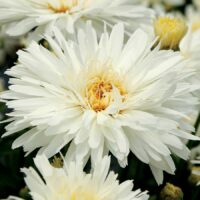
[(64, 6), (170, 31), (100, 88), (83, 195), (78, 192)]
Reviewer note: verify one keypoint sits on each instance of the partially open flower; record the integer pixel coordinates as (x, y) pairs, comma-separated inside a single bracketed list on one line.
[(171, 192), (170, 31)]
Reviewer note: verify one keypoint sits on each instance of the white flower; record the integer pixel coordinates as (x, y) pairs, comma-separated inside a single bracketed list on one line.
[(183, 35), (102, 96), (72, 183), (24, 15), (180, 34), (170, 31)]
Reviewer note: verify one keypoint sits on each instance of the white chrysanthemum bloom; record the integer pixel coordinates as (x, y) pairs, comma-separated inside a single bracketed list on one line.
[(170, 30), (24, 15), (102, 96), (181, 34), (177, 33), (13, 198), (71, 183)]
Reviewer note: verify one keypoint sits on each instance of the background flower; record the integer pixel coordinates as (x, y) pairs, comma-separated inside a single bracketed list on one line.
[(24, 15)]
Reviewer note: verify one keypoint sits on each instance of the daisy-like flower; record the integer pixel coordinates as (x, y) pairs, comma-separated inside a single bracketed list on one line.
[(177, 33), (75, 184), (100, 96), (181, 34), (41, 15)]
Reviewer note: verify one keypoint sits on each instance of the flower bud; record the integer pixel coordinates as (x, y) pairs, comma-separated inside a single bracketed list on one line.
[(171, 192)]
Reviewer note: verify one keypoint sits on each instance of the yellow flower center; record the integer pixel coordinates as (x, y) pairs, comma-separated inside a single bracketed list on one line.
[(76, 192), (99, 90), (83, 195), (57, 162), (63, 6), (195, 26), (170, 31)]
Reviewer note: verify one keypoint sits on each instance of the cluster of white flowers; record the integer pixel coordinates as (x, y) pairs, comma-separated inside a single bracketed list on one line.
[(116, 78)]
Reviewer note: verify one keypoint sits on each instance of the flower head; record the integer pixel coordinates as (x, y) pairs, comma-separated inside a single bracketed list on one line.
[(75, 184), (170, 31), (24, 15), (100, 96)]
